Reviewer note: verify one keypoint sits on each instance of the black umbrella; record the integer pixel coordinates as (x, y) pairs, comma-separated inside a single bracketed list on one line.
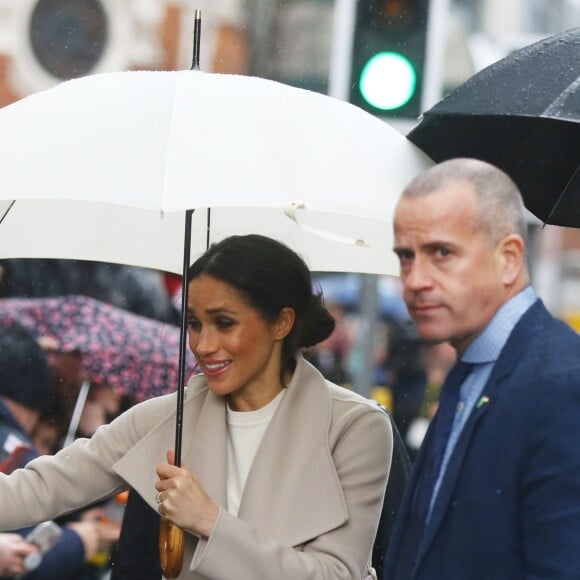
[(521, 114)]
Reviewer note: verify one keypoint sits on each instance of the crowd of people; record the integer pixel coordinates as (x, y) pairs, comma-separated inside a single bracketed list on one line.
[(29, 428), (284, 472)]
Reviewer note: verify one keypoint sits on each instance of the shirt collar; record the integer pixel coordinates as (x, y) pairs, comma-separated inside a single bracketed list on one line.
[(488, 345)]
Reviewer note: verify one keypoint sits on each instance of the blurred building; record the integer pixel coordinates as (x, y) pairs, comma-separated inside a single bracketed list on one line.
[(43, 42)]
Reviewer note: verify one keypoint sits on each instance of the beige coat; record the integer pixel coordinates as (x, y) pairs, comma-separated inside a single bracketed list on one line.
[(311, 504)]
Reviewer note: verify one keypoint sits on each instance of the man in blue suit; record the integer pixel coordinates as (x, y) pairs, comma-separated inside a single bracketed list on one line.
[(495, 493)]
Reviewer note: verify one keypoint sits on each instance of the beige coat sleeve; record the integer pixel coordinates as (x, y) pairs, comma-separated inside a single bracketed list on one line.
[(80, 474)]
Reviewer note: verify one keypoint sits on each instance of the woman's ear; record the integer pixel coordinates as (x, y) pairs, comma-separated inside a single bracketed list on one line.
[(285, 322)]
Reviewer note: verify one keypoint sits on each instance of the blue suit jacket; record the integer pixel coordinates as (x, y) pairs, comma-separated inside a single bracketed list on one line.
[(509, 504)]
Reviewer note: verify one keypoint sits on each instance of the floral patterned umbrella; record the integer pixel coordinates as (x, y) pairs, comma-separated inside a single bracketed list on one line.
[(133, 354)]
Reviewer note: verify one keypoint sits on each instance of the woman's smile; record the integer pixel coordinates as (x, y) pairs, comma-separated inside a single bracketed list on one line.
[(213, 368)]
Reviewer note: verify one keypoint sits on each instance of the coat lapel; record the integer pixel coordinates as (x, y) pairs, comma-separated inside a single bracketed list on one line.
[(296, 451), (452, 472), (203, 447), (205, 451), (509, 357)]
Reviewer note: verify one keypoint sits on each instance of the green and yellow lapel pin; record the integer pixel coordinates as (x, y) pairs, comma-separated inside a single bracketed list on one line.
[(482, 401)]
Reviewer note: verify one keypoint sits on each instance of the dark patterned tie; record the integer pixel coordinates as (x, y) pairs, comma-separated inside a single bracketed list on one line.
[(432, 459)]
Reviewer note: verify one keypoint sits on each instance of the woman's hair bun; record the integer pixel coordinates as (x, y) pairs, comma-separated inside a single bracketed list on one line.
[(318, 323)]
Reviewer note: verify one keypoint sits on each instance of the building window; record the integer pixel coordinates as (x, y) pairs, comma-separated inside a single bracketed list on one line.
[(68, 37)]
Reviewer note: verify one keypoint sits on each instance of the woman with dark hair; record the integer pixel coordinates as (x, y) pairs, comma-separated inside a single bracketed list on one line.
[(283, 472)]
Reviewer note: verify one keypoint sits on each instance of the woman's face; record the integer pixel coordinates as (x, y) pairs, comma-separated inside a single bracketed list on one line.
[(237, 350)]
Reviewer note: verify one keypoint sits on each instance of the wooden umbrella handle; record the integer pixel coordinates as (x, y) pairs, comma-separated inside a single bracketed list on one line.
[(171, 544)]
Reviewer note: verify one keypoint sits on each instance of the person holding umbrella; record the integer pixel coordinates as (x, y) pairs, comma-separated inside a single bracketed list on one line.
[(495, 491), (283, 472)]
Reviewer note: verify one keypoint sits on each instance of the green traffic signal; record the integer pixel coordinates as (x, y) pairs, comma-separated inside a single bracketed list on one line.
[(388, 61), (388, 81)]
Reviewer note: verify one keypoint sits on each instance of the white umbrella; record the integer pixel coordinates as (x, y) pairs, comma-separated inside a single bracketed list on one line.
[(102, 168), (106, 167)]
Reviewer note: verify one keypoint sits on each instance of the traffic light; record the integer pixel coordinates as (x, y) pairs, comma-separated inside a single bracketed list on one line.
[(389, 51)]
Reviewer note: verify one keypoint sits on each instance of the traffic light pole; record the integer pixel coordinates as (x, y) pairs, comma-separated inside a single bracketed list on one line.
[(435, 54), (344, 20), (339, 87)]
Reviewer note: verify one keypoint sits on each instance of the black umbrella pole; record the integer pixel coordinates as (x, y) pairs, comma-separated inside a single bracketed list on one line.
[(183, 337), (172, 537), (196, 40)]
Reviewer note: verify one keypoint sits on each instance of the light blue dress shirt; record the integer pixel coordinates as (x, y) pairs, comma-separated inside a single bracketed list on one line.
[(483, 352)]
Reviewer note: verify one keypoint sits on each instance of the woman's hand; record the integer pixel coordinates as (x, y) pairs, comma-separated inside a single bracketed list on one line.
[(183, 501)]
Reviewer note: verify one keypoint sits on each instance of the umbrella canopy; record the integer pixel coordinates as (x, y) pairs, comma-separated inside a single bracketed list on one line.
[(521, 114), (103, 167), (110, 167), (134, 355)]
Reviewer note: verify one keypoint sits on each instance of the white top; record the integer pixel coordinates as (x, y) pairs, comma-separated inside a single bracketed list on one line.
[(245, 432)]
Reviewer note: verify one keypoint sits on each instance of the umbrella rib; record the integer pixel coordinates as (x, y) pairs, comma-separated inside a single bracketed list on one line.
[(563, 193), (170, 132), (7, 211), (555, 108), (208, 229), (76, 418)]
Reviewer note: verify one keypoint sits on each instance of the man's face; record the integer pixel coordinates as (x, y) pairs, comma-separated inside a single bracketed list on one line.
[(451, 271)]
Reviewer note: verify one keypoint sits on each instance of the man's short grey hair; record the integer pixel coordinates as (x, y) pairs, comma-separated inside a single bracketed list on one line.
[(500, 205)]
